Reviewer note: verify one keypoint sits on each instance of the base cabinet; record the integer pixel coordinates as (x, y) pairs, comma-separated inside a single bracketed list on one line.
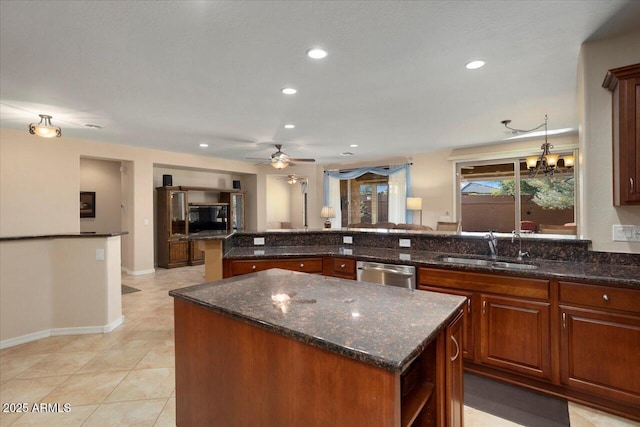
[(178, 254), (600, 353), (196, 253), (454, 372), (237, 267), (515, 335)]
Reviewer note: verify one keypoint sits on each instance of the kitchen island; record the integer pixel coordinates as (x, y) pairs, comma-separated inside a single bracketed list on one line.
[(285, 348)]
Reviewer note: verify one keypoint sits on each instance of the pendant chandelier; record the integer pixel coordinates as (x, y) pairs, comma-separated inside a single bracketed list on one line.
[(45, 129), (545, 162), (292, 179)]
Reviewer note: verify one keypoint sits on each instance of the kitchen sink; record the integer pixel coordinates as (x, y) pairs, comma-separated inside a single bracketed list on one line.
[(489, 263)]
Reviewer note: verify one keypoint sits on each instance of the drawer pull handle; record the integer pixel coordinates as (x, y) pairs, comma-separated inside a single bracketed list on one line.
[(253, 267), (631, 182), (605, 297), (564, 320), (468, 306), (454, 357), (301, 265), (484, 307), (343, 265)]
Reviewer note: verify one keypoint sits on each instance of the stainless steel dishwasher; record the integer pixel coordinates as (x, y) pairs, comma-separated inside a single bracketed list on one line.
[(403, 276)]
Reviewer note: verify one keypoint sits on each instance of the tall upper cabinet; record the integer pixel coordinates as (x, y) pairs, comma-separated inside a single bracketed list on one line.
[(624, 82), (178, 217)]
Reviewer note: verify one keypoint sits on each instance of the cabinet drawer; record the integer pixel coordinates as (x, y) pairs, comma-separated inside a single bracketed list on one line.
[(492, 283), (600, 296), (307, 265), (344, 266)]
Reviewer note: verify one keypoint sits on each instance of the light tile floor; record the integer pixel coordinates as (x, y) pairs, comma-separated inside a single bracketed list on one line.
[(126, 377)]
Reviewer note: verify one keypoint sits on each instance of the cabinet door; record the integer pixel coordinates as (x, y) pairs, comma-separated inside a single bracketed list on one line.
[(600, 353), (468, 351), (178, 213), (196, 254), (178, 253), (514, 335), (306, 265), (454, 373)]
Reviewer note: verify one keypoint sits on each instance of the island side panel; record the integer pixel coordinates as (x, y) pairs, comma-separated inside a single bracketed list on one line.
[(232, 373)]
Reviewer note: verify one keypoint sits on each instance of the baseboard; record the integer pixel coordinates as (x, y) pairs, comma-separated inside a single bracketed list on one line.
[(138, 272), (11, 342)]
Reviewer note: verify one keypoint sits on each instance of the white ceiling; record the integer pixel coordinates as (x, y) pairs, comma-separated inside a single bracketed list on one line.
[(171, 75)]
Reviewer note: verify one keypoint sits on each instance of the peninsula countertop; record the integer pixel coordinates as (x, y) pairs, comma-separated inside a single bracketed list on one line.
[(376, 324)]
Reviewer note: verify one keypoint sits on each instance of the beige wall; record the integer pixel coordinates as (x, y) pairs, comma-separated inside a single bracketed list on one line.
[(594, 108), (279, 200), (102, 177), (39, 187), (45, 291)]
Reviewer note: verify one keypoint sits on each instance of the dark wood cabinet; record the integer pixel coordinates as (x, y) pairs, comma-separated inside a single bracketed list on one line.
[(468, 345), (171, 226), (600, 341), (345, 268), (454, 373), (624, 82), (515, 335), (237, 267), (196, 253)]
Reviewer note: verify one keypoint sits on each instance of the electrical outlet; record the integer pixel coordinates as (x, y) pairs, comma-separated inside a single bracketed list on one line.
[(257, 241), (347, 240), (405, 243), (626, 233), (258, 252), (100, 254), (405, 257), (345, 251)]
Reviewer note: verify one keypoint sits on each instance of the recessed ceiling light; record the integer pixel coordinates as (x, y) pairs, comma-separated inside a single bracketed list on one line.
[(289, 126), (353, 145), (316, 53), (289, 90), (474, 65), (204, 145)]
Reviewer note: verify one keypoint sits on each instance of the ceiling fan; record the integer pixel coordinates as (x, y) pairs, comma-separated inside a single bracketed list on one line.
[(281, 160)]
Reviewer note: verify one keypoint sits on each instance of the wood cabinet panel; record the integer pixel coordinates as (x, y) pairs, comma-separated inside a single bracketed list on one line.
[(454, 373), (306, 265), (515, 335), (196, 252), (599, 353), (605, 297), (178, 253), (486, 283), (344, 268), (468, 342), (624, 82)]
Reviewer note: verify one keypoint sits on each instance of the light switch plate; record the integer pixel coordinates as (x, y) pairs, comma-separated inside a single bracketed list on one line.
[(258, 252), (405, 243), (257, 241), (347, 240), (346, 251), (405, 257), (626, 233), (99, 254)]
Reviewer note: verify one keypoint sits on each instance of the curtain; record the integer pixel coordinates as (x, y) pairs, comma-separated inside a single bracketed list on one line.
[(398, 190)]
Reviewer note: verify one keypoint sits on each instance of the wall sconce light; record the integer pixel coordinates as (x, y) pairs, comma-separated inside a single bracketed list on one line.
[(326, 213), (415, 204), (45, 129)]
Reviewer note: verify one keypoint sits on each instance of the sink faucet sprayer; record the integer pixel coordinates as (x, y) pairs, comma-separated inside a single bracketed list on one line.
[(520, 253), (493, 244)]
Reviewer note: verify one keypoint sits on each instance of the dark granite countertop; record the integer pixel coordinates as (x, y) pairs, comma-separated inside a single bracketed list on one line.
[(209, 235), (64, 236), (381, 325), (621, 275)]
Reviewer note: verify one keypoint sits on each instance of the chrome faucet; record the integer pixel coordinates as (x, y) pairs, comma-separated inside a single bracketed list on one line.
[(493, 244), (520, 253)]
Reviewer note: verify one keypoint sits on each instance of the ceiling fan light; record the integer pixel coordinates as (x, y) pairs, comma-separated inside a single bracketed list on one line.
[(45, 129), (279, 163)]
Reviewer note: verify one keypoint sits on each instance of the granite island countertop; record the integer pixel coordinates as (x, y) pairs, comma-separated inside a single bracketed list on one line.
[(376, 324), (620, 275)]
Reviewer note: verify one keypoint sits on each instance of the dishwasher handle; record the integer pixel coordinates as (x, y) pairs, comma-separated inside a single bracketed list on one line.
[(386, 270)]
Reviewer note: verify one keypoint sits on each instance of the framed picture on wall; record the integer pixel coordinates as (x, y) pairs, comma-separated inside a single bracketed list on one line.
[(87, 204)]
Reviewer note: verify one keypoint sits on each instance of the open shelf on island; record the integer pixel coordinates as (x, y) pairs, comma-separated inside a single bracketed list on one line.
[(414, 402)]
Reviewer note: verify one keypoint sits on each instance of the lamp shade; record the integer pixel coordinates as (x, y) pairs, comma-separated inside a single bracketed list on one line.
[(532, 161), (327, 212), (569, 161), (279, 164), (414, 203), (552, 159)]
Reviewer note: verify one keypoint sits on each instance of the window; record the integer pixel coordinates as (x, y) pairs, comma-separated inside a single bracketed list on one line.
[(493, 196), (365, 199)]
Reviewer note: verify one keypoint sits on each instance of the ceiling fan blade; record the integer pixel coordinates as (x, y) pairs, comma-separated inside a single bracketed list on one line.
[(258, 158), (301, 160)]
